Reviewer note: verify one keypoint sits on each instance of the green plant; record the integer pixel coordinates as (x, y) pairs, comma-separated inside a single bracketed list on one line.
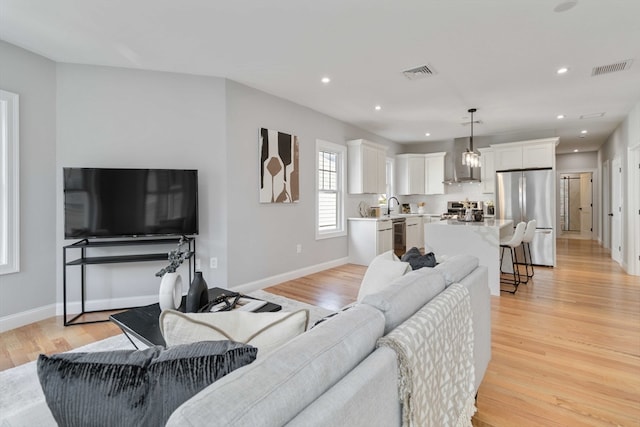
[(176, 257)]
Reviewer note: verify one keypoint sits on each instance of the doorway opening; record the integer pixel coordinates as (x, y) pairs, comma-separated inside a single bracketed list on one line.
[(576, 205)]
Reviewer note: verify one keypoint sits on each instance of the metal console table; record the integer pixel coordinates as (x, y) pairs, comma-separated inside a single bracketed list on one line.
[(84, 260)]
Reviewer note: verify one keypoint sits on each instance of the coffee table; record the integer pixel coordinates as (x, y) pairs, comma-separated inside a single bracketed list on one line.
[(142, 323)]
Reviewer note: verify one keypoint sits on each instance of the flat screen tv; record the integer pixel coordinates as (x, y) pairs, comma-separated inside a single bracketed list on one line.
[(102, 203)]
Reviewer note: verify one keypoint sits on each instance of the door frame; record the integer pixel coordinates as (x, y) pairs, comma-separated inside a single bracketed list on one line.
[(595, 209), (605, 237), (633, 224), (616, 178)]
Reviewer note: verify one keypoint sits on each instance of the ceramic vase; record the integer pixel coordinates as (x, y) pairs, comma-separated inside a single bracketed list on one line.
[(170, 291), (198, 295)]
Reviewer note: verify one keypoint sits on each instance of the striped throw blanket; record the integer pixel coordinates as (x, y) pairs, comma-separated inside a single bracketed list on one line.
[(435, 358)]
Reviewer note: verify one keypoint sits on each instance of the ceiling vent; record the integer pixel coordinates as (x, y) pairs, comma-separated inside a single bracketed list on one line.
[(591, 116), (419, 72), (611, 68)]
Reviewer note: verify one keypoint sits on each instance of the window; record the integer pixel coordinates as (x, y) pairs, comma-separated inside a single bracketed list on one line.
[(9, 201), (330, 186)]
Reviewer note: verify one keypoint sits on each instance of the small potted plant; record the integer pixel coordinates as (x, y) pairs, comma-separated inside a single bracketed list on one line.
[(171, 283)]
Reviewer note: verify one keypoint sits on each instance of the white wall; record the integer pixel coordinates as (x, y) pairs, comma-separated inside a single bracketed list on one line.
[(33, 78), (617, 146)]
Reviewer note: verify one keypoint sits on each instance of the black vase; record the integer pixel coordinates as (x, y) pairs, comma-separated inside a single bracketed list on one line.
[(198, 295)]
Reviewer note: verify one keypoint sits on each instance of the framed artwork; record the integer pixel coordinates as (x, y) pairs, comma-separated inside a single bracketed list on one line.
[(279, 163)]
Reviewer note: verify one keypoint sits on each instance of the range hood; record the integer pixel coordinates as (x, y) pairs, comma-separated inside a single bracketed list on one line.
[(455, 171)]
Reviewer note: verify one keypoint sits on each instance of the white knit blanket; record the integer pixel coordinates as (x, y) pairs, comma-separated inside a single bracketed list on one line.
[(435, 358)]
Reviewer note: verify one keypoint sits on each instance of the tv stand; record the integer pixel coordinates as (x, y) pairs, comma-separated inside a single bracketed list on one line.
[(86, 245)]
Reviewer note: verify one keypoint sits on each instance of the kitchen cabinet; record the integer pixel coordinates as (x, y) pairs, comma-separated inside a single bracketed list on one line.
[(539, 153), (413, 233), (366, 167), (369, 237), (487, 170), (420, 173), (434, 173), (411, 174)]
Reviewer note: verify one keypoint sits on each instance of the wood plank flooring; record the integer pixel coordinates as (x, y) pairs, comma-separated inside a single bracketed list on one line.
[(565, 347)]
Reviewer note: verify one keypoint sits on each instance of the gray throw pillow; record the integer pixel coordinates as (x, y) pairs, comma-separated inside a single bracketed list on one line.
[(133, 387)]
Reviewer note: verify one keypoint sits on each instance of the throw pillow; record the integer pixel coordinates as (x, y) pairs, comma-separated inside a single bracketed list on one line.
[(266, 331), (417, 260), (381, 271), (133, 387), (457, 267)]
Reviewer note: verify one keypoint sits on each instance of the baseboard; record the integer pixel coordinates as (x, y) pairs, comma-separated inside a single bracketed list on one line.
[(13, 321), (37, 314), (290, 275)]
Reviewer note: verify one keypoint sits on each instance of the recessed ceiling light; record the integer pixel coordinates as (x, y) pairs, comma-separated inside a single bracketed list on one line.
[(562, 70), (378, 108), (427, 134), (326, 80), (583, 131), (560, 116), (576, 150)]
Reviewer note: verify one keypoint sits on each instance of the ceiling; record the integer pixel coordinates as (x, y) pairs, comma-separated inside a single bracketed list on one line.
[(499, 56)]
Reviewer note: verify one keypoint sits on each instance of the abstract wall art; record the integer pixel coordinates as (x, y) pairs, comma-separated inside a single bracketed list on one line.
[(279, 163)]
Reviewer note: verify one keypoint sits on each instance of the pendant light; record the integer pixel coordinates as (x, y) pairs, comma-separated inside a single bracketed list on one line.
[(469, 157)]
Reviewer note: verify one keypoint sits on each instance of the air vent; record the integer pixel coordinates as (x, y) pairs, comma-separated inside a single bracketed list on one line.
[(591, 116), (611, 68), (419, 72)]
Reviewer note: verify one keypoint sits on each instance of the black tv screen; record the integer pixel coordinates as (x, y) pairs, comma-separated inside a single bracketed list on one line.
[(101, 203)]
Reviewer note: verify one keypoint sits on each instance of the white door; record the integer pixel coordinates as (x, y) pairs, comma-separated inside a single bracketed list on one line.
[(586, 200), (616, 211), (606, 205)]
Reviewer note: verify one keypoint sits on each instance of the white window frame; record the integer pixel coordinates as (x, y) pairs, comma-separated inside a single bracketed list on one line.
[(9, 184), (341, 151)]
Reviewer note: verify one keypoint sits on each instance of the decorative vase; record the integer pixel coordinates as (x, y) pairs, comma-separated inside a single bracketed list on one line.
[(170, 291), (468, 215), (198, 295)]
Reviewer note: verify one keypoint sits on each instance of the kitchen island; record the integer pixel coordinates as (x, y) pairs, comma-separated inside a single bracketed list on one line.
[(480, 239)]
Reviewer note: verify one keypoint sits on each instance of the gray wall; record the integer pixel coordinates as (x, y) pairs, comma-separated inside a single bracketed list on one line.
[(577, 161), (115, 117), (34, 79), (263, 237)]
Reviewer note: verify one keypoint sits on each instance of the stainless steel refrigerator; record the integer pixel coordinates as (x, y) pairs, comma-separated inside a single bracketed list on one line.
[(526, 195)]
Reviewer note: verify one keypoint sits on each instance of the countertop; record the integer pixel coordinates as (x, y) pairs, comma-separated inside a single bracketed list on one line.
[(486, 223), (393, 216)]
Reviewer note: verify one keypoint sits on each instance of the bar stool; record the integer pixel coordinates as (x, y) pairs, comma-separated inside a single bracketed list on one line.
[(526, 248), (512, 242)]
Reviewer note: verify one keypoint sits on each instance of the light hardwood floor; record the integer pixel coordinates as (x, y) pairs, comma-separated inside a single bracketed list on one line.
[(565, 347)]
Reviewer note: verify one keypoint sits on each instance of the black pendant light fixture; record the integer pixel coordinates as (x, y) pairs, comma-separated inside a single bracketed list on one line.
[(469, 157)]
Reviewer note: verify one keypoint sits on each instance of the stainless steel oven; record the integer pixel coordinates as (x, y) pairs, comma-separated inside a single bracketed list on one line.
[(399, 236)]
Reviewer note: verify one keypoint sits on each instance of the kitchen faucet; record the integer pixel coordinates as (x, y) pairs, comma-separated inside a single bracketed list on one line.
[(389, 204)]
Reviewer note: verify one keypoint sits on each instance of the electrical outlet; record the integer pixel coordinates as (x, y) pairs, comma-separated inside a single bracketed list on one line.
[(213, 262), (198, 264), (299, 248)]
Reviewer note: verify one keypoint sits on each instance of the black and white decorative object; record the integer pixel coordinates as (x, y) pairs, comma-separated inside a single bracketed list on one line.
[(198, 295), (170, 295)]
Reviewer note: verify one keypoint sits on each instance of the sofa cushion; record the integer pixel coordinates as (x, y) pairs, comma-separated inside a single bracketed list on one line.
[(273, 389), (382, 270), (133, 387), (265, 331), (456, 267), (406, 295)]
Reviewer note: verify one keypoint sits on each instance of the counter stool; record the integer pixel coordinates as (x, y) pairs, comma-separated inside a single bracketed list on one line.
[(512, 242), (526, 248)]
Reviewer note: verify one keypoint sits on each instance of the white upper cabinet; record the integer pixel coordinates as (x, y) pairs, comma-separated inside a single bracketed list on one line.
[(410, 174), (487, 170), (539, 153), (366, 167), (420, 173), (434, 173)]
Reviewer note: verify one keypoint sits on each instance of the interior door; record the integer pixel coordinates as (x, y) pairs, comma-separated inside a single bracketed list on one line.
[(586, 203), (606, 204), (616, 211)]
